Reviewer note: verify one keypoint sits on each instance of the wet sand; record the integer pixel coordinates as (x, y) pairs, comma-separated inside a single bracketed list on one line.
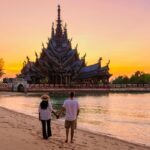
[(22, 132)]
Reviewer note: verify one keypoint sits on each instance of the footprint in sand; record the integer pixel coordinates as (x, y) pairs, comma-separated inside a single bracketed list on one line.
[(131, 147), (2, 117), (114, 144), (36, 143), (105, 147), (84, 134), (38, 132), (84, 142), (91, 137)]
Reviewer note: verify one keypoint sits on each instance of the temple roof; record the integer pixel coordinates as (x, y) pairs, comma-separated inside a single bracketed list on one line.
[(77, 63), (93, 71), (61, 58), (28, 66), (90, 68)]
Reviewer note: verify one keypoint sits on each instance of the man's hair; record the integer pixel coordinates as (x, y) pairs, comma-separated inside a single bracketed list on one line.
[(71, 94)]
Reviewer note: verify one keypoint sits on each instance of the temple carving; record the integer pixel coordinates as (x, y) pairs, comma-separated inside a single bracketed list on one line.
[(59, 63)]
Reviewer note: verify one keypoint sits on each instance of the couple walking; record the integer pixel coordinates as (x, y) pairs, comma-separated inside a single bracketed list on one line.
[(71, 108)]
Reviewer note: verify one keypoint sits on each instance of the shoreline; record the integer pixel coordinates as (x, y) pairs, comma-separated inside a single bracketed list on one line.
[(115, 143), (39, 93), (111, 90), (56, 89)]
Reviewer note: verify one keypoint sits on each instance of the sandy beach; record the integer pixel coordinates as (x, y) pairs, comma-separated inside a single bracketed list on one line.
[(19, 131)]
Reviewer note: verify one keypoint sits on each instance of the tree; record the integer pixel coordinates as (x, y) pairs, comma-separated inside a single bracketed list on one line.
[(121, 80), (1, 67), (138, 77)]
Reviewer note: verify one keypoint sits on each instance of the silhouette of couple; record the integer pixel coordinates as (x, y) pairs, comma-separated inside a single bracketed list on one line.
[(71, 108)]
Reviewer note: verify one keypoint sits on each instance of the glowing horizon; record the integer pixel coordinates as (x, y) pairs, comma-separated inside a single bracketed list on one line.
[(118, 30)]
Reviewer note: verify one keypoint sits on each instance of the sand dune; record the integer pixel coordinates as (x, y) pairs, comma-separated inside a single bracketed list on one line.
[(22, 132)]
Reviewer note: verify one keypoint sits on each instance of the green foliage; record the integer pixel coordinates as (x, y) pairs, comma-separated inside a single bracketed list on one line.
[(121, 80), (1, 67), (137, 78)]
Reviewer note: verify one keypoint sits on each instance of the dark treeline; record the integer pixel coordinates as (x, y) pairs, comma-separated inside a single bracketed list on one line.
[(138, 77)]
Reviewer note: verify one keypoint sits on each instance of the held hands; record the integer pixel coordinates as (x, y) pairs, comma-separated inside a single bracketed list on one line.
[(57, 116)]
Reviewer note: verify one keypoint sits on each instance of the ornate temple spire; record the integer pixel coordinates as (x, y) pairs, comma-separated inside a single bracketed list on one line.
[(65, 32), (59, 10), (43, 47), (107, 64), (76, 47), (29, 62), (24, 63), (59, 26), (70, 45), (100, 61), (53, 33), (83, 58), (36, 55), (28, 59)]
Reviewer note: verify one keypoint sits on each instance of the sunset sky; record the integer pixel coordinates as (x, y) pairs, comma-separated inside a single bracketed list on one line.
[(118, 30)]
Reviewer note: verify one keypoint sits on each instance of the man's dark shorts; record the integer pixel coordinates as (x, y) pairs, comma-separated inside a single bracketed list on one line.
[(70, 124)]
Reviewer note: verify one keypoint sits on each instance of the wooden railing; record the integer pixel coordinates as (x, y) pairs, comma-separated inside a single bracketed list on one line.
[(32, 86), (47, 87), (5, 87), (129, 85)]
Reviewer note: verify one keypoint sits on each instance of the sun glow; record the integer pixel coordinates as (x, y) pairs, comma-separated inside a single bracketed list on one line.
[(117, 30)]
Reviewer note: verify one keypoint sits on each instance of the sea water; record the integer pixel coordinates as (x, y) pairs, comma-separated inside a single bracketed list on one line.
[(122, 115)]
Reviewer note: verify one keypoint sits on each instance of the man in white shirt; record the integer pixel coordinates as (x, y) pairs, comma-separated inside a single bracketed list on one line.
[(71, 107)]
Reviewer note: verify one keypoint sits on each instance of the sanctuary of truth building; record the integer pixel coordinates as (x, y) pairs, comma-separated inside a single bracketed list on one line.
[(59, 63)]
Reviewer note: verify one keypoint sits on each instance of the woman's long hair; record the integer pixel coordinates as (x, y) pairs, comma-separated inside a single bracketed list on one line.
[(44, 104)]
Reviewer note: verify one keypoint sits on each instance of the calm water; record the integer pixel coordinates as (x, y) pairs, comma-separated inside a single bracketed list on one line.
[(125, 116)]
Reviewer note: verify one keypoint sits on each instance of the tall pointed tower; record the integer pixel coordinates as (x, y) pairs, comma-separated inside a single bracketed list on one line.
[(59, 25)]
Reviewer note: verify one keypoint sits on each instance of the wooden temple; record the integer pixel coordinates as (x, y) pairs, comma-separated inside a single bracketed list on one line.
[(59, 63)]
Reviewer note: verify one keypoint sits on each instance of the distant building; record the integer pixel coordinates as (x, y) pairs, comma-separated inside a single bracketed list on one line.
[(59, 63), (15, 84)]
